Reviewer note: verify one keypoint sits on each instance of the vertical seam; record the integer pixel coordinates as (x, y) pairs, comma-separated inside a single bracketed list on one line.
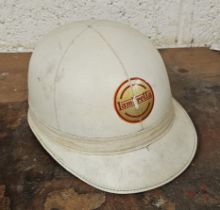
[(192, 14), (57, 72), (112, 49), (179, 33), (182, 20), (120, 61)]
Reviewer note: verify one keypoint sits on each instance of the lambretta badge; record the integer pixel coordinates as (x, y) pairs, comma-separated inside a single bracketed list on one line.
[(134, 100)]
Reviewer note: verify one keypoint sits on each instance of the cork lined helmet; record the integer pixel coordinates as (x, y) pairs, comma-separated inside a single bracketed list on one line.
[(100, 104)]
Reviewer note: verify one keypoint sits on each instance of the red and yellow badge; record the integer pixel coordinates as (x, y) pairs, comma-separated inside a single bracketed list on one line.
[(134, 100)]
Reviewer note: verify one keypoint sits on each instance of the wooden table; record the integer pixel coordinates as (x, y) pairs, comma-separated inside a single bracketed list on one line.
[(31, 179)]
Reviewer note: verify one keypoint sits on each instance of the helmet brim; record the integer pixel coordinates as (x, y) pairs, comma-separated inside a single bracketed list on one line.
[(132, 172)]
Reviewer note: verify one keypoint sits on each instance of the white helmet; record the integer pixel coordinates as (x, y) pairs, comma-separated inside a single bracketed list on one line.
[(100, 104)]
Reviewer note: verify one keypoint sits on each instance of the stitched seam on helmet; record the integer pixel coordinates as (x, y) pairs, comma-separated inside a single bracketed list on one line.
[(121, 63), (167, 120), (57, 71), (116, 145)]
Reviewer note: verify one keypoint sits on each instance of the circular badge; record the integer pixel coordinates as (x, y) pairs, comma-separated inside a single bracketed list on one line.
[(134, 100)]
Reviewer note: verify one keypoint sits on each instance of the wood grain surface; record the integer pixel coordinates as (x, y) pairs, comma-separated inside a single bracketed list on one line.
[(31, 179)]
